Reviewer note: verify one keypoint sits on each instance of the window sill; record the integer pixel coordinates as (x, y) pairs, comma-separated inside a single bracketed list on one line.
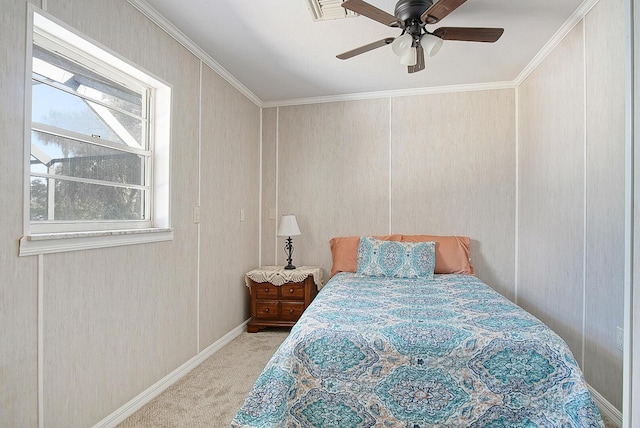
[(48, 243)]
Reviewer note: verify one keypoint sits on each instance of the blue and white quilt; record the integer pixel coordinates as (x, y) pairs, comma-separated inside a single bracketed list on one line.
[(382, 352)]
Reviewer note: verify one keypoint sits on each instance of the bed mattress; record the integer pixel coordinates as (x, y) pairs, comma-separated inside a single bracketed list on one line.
[(382, 352)]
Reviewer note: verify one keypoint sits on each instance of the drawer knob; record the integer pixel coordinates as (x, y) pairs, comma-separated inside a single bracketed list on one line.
[(266, 290), (290, 311), (291, 290), (266, 310)]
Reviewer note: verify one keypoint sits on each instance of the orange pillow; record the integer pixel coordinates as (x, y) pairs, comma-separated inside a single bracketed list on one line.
[(452, 252), (344, 252)]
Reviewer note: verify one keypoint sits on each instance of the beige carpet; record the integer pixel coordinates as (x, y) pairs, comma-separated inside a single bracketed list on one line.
[(211, 394)]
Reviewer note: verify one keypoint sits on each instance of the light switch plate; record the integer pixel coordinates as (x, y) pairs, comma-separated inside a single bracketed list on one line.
[(196, 215), (620, 338)]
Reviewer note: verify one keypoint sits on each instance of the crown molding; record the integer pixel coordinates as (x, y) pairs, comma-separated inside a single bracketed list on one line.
[(575, 18), (173, 31), (391, 94)]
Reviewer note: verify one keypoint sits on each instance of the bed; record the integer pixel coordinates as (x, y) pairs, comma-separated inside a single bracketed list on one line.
[(402, 351)]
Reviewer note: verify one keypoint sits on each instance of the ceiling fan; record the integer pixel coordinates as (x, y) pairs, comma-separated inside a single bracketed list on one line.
[(412, 16)]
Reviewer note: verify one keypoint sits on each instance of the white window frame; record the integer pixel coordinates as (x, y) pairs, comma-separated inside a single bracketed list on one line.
[(60, 236)]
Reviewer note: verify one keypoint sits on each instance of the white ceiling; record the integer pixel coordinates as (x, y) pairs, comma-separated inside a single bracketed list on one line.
[(278, 52)]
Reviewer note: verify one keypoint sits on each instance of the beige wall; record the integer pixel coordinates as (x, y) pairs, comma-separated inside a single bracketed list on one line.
[(18, 276), (571, 194), (117, 320), (399, 166), (333, 173), (453, 173), (268, 196), (230, 180), (551, 192), (605, 124), (631, 397)]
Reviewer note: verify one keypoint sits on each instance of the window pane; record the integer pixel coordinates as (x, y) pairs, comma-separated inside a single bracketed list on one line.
[(52, 67), (39, 199), (52, 154), (38, 165), (57, 108), (84, 201)]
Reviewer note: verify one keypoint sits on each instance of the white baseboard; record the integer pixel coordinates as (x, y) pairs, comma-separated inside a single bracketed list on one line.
[(156, 389), (606, 408)]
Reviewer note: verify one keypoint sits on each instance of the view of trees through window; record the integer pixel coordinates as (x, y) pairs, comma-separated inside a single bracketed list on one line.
[(77, 200), (89, 154)]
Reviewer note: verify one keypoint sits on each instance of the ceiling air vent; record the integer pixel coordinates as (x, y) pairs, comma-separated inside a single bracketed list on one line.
[(322, 10)]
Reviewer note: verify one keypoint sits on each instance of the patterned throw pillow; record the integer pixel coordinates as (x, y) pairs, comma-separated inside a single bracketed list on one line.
[(396, 259)]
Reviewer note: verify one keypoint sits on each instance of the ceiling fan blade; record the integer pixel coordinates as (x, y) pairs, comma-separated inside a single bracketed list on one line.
[(439, 10), (365, 48), (365, 9), (464, 34), (420, 61)]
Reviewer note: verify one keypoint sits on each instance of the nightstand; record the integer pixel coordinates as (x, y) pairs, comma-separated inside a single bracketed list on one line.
[(279, 296)]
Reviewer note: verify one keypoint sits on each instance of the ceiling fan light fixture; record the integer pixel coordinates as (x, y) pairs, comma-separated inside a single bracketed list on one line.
[(402, 45), (431, 44), (410, 58)]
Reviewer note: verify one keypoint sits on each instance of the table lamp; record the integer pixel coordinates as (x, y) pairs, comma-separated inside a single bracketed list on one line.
[(289, 227)]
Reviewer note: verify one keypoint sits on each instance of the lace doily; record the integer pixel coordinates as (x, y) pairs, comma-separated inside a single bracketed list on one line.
[(278, 275)]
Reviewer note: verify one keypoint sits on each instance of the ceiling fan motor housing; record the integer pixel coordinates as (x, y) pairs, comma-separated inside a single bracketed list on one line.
[(411, 9)]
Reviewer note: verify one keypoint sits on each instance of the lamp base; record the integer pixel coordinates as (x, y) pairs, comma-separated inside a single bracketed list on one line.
[(288, 248)]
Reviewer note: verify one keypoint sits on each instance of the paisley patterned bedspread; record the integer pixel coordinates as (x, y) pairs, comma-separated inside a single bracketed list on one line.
[(381, 352)]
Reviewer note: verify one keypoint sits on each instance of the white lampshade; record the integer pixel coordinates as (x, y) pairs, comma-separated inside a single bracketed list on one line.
[(410, 58), (288, 226), (401, 46), (431, 44)]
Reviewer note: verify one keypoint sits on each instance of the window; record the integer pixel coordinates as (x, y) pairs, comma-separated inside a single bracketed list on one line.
[(98, 146)]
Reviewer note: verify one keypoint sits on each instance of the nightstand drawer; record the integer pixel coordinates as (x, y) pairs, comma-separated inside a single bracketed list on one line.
[(266, 291), (292, 291), (291, 311), (267, 310), (280, 305)]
